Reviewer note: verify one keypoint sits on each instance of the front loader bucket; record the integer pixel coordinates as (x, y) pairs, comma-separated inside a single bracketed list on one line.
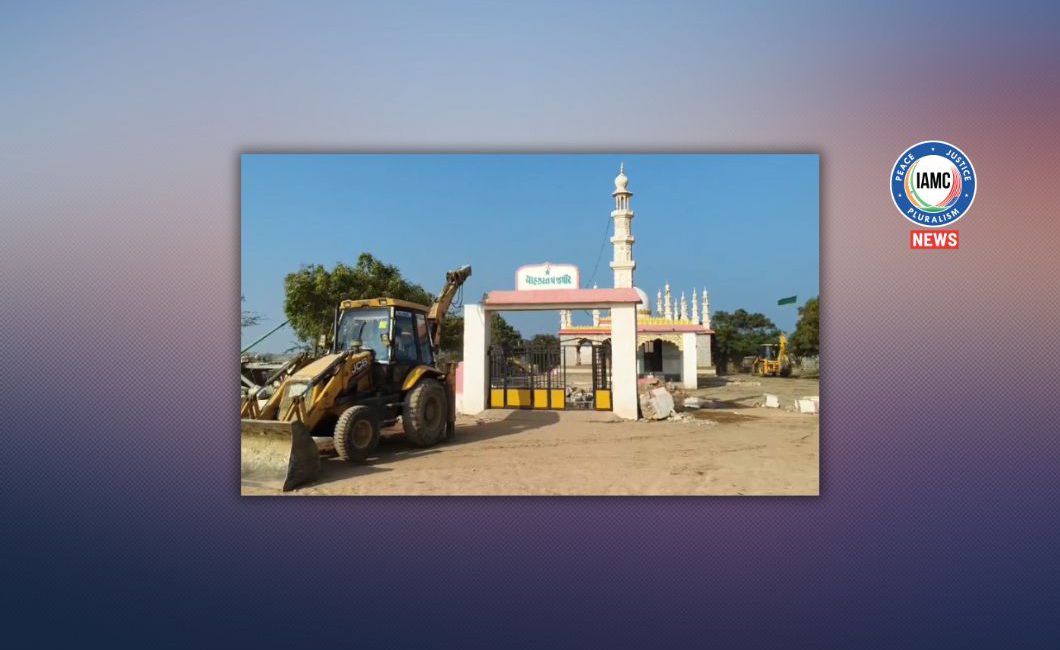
[(279, 455)]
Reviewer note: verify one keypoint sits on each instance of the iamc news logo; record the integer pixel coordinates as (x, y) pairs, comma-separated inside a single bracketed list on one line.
[(933, 185)]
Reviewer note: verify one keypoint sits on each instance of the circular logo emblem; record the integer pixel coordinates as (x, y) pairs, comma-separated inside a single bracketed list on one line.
[(933, 184)]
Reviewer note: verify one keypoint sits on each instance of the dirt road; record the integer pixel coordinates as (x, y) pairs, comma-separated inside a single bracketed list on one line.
[(735, 448)]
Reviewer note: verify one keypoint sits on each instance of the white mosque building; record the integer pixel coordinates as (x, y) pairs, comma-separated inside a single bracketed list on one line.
[(673, 342)]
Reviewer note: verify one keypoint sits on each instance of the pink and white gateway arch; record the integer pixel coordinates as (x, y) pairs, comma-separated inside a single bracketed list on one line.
[(622, 304)]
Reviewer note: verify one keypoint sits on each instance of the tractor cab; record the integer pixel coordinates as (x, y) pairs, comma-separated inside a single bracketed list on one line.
[(396, 331), (767, 351)]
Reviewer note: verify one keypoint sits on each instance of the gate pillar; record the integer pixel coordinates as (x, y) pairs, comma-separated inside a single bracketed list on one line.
[(476, 348), (624, 360)]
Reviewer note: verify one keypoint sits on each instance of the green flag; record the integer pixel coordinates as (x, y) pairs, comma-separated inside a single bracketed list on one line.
[(790, 300)]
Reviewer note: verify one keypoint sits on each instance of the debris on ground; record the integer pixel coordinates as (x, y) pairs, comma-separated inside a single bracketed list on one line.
[(680, 416), (692, 403), (810, 404), (578, 397), (772, 401), (656, 403), (706, 403), (648, 382)]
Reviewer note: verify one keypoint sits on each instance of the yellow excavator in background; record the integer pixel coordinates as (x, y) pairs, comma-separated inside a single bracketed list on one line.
[(381, 366), (770, 363)]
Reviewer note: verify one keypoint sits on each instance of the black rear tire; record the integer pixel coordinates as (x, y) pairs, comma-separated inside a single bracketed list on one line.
[(425, 413), (356, 433)]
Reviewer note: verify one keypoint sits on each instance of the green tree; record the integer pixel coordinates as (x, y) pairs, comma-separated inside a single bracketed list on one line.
[(544, 340), (739, 334), (313, 292), (503, 334), (806, 341), (452, 344)]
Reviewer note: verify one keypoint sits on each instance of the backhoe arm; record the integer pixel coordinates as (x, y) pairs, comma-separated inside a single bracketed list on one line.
[(453, 281)]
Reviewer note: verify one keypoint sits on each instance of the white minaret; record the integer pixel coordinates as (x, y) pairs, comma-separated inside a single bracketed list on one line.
[(622, 241), (658, 303), (706, 309), (668, 312), (684, 306), (695, 307), (596, 314)]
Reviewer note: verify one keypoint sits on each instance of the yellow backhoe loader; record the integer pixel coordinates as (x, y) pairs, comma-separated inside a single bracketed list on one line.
[(380, 366), (773, 360)]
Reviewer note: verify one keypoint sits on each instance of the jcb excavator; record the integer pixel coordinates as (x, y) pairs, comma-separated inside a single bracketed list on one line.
[(768, 363), (381, 365)]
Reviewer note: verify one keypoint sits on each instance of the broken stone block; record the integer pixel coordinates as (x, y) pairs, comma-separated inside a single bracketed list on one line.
[(656, 404), (693, 403), (664, 402), (647, 406)]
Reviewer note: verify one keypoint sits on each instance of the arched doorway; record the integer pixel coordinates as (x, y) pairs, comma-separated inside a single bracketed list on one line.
[(660, 358)]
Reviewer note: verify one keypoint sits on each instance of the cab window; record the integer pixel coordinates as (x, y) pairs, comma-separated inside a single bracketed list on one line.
[(423, 338), (404, 338), (367, 328)]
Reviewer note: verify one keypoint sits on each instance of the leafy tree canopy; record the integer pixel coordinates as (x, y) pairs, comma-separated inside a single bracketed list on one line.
[(544, 340), (313, 292), (739, 334), (503, 334), (452, 343), (806, 341)]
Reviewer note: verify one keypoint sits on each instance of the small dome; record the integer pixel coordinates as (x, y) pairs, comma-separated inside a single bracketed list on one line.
[(621, 181), (644, 307)]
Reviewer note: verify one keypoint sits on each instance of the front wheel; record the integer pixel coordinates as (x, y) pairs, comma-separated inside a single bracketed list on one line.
[(356, 433), (425, 413)]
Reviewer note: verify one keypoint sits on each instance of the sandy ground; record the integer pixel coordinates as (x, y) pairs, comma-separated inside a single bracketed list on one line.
[(733, 448)]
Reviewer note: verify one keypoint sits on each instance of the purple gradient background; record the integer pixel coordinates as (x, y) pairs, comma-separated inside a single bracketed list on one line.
[(939, 520)]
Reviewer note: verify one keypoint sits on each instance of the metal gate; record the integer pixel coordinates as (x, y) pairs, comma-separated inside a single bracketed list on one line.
[(602, 377), (547, 376)]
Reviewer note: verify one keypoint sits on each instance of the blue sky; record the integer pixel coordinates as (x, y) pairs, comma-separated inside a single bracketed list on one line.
[(744, 226)]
